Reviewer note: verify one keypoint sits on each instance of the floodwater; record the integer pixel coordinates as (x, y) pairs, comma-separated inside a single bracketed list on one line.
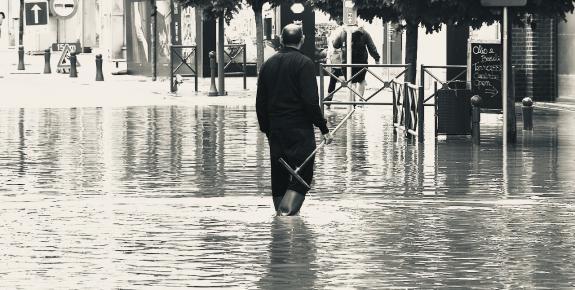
[(177, 197)]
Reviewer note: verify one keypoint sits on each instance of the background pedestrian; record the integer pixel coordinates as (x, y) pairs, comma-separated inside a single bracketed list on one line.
[(361, 44)]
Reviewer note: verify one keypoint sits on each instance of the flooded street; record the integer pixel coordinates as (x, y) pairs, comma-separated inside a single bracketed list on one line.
[(159, 197)]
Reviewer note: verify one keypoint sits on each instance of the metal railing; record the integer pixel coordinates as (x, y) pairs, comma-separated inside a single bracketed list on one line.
[(342, 83), (233, 51), (183, 54), (408, 109), (445, 84), (453, 83)]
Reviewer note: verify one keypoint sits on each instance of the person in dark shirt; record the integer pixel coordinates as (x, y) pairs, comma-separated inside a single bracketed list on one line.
[(361, 44), (287, 107)]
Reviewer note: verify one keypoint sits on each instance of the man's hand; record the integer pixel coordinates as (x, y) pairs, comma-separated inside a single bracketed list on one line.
[(327, 138)]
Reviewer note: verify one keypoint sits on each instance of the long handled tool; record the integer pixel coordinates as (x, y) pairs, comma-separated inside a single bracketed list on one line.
[(295, 172)]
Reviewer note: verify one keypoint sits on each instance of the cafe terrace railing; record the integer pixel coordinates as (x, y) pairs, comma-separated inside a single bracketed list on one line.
[(182, 65)]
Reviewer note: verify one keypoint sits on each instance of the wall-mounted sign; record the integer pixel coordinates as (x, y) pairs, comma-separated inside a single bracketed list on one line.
[(503, 3), (64, 8), (485, 68), (36, 13)]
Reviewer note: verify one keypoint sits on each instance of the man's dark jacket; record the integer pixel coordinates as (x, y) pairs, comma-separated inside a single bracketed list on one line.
[(287, 95)]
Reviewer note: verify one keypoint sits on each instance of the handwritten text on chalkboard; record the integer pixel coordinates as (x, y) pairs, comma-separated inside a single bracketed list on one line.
[(486, 69)]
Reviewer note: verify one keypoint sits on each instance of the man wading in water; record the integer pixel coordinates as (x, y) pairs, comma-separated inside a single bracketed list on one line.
[(287, 106)]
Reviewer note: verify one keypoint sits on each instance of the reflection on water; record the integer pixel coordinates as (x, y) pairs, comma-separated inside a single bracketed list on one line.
[(179, 196), (292, 253)]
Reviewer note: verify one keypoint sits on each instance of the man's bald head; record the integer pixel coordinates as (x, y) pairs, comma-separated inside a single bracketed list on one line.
[(292, 35)]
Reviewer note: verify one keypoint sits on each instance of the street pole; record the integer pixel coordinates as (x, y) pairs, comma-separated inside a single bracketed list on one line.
[(505, 74), (221, 61), (154, 44), (350, 19), (349, 29)]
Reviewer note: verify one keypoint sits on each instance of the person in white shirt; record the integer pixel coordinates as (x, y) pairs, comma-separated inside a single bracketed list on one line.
[(334, 56)]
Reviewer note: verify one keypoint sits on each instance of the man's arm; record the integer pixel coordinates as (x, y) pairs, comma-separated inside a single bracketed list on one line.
[(309, 95), (371, 46), (262, 105)]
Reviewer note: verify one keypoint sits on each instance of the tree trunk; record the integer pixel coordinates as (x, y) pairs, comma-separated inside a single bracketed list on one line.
[(154, 33), (259, 36), (411, 35), (21, 24)]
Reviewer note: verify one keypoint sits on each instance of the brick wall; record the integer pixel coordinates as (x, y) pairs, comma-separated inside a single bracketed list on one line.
[(534, 58)]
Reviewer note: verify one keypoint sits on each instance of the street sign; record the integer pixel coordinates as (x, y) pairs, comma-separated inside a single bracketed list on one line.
[(36, 13), (349, 12), (64, 8), (59, 46), (503, 3), (64, 62)]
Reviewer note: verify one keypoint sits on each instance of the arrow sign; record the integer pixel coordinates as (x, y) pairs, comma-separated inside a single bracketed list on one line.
[(36, 13), (491, 91), (36, 8)]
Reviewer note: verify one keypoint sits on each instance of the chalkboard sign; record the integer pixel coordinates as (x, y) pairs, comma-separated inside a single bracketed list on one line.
[(485, 68)]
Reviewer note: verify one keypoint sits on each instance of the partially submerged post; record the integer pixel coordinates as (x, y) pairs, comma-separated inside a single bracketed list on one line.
[(475, 119), (47, 69), (213, 89), (73, 62), (21, 57), (99, 73), (527, 113)]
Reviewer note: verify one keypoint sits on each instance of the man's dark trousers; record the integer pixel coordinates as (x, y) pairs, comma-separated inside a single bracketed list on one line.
[(294, 145)]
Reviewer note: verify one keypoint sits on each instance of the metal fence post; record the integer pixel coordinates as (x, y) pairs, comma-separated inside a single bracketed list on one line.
[(475, 118), (527, 113), (435, 107), (196, 68), (406, 111), (173, 87), (420, 114), (394, 101), (244, 68), (321, 87)]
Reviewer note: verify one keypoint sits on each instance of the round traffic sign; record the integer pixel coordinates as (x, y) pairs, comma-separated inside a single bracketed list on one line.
[(64, 8)]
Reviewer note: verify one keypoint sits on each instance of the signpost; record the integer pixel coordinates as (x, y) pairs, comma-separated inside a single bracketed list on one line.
[(64, 8), (64, 62), (36, 13), (350, 20), (505, 4)]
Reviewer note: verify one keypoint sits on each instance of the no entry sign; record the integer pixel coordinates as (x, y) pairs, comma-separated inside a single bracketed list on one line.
[(64, 8)]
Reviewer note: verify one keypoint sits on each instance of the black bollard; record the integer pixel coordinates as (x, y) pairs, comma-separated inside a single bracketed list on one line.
[(527, 113), (47, 69), (475, 118), (99, 74), (213, 89), (73, 71), (21, 57)]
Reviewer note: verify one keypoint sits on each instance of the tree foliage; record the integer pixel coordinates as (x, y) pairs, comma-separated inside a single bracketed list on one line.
[(431, 14), (214, 8)]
